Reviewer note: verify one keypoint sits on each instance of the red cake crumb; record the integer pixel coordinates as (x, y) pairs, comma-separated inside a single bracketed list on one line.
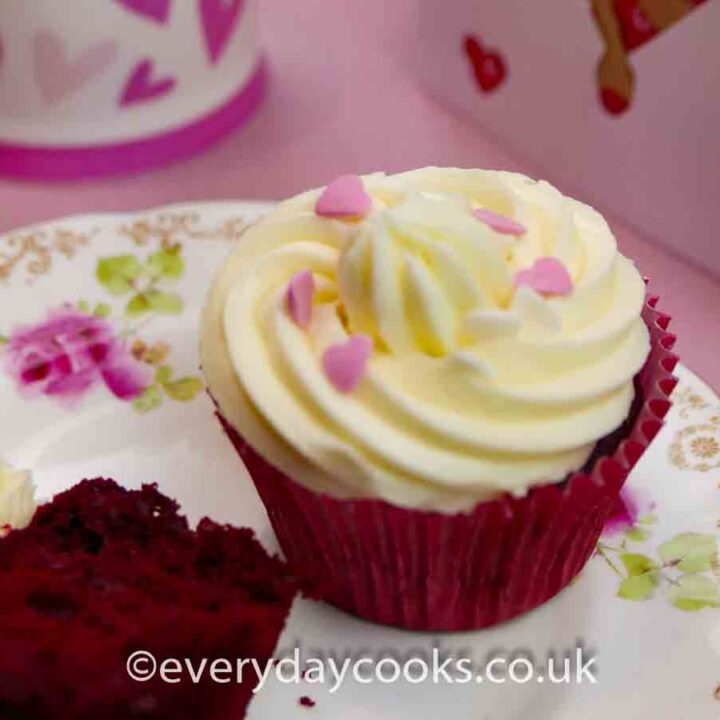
[(102, 572), (306, 701)]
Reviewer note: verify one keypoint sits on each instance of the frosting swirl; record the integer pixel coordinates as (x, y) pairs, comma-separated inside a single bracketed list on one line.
[(17, 498), (477, 383)]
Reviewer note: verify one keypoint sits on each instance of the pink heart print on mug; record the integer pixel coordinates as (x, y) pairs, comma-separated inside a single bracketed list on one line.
[(123, 85), (219, 20), (58, 76), (142, 85), (156, 10)]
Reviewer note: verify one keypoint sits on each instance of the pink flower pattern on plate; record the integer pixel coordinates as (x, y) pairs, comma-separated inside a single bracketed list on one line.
[(68, 353)]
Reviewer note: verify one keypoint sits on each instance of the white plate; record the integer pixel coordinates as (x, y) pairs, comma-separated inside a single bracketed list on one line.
[(653, 660)]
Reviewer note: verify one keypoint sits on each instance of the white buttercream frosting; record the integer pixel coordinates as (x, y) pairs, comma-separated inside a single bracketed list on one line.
[(475, 386), (17, 498)]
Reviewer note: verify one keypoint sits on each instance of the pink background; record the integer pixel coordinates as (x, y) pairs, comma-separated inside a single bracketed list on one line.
[(343, 98)]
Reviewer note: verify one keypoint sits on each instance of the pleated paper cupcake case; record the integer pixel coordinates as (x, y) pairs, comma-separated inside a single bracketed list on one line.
[(427, 570)]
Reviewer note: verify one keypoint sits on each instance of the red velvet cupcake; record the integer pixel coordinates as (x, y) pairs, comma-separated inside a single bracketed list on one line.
[(101, 573), (438, 382)]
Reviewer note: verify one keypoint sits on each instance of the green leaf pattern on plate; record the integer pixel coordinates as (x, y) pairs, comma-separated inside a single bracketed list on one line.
[(147, 284), (638, 587), (694, 592), (118, 274), (689, 552), (183, 389), (681, 569)]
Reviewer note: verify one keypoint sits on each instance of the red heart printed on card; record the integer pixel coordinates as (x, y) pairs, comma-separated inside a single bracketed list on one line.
[(488, 64)]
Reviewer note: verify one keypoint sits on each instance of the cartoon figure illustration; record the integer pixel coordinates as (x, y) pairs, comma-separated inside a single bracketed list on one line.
[(624, 26)]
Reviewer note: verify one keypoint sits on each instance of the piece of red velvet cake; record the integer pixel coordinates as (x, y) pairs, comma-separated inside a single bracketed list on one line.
[(102, 572)]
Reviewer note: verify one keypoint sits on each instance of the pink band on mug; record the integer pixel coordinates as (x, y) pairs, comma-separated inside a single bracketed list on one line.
[(58, 163)]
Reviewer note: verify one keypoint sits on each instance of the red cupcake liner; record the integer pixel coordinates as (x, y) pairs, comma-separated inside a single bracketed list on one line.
[(426, 570)]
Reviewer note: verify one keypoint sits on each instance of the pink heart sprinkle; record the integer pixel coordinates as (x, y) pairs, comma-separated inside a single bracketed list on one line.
[(344, 197), (499, 223), (344, 363), (300, 291), (547, 275)]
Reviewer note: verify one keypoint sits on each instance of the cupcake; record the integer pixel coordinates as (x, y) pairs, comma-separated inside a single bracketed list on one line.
[(438, 381)]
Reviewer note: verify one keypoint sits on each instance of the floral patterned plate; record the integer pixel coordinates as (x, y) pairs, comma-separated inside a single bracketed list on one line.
[(99, 376)]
